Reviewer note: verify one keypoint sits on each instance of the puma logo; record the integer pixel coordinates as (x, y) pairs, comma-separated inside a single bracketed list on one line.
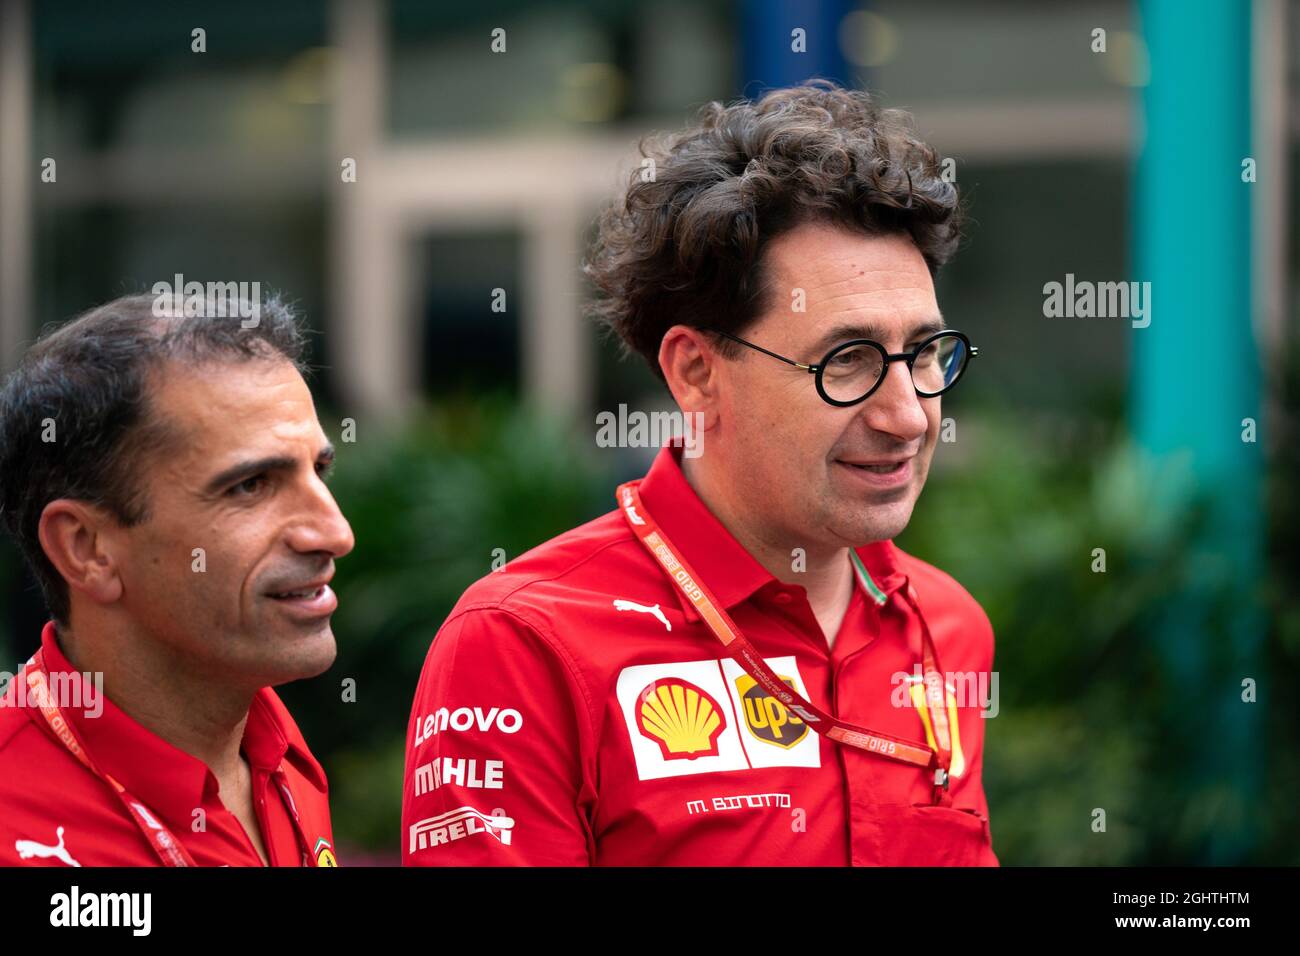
[(30, 849), (622, 605)]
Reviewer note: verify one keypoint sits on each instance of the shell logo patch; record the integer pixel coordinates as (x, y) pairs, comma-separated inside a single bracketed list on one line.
[(766, 718), (684, 720)]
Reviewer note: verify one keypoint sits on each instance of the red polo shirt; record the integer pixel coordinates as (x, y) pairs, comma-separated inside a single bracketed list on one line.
[(531, 741), (56, 812)]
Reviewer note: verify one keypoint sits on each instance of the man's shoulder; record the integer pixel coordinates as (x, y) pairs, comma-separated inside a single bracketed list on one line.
[(19, 738), (947, 603), (560, 580), (934, 582), (14, 723), (44, 790), (32, 762)]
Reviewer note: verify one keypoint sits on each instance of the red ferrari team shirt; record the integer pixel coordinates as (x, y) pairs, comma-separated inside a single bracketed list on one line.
[(56, 812), (574, 709)]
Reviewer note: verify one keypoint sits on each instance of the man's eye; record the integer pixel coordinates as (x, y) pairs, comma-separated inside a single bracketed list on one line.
[(927, 355), (249, 486), (850, 357), (862, 360)]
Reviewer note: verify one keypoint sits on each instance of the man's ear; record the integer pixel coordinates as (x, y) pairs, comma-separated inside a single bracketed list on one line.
[(73, 537), (691, 366)]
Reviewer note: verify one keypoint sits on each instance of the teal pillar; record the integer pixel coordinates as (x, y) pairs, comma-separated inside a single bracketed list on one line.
[(1195, 376)]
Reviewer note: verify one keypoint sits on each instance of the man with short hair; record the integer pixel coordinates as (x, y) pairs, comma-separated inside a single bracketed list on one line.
[(163, 472), (736, 665)]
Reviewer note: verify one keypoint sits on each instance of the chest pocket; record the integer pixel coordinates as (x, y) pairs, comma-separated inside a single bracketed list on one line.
[(923, 835)]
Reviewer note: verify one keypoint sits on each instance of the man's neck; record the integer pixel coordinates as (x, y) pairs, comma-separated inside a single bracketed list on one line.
[(168, 696), (826, 574)]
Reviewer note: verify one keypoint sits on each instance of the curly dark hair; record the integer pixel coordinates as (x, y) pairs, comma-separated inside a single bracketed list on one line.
[(685, 245)]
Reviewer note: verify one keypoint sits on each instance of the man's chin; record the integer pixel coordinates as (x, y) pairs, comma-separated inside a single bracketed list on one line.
[(300, 656), (870, 522)]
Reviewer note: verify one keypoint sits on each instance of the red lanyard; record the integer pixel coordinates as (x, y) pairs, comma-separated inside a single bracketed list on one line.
[(160, 838), (744, 654), (166, 845)]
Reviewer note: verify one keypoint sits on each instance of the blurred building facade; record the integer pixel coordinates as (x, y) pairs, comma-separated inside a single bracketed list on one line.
[(480, 169)]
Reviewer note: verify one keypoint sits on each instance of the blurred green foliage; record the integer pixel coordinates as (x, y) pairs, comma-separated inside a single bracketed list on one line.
[(1090, 715)]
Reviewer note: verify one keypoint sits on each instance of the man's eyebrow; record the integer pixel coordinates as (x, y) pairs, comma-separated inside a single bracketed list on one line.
[(875, 332), (256, 466)]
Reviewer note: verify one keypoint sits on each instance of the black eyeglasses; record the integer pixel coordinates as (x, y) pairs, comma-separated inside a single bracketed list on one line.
[(852, 370)]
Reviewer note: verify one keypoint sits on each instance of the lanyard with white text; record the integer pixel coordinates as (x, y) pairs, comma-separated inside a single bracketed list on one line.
[(744, 654), (168, 848)]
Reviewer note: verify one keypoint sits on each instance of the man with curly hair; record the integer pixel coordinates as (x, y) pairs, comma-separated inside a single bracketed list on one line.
[(736, 666)]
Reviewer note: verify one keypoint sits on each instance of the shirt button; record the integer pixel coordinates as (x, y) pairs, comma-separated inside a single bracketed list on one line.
[(782, 597)]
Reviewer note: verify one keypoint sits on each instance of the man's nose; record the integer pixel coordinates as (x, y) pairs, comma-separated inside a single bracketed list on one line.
[(895, 408), (321, 525)]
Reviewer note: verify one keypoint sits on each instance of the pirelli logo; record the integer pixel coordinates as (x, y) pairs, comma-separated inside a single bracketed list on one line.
[(456, 825)]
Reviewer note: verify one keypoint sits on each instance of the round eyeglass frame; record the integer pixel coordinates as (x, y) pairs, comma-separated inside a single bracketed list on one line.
[(886, 358)]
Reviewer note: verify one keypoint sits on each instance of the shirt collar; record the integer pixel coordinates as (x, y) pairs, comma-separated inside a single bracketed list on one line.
[(884, 568), (163, 777), (719, 560)]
